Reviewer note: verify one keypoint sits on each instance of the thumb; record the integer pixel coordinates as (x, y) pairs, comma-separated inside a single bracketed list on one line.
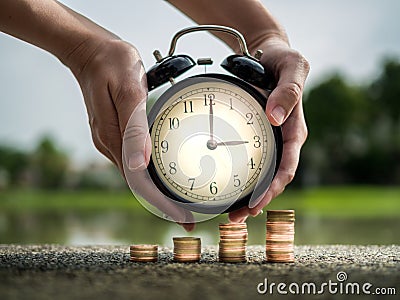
[(282, 101), (136, 140), (133, 121), (289, 89)]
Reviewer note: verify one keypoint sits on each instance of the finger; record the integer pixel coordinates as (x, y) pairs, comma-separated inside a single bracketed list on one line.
[(294, 133), (263, 202), (289, 89), (141, 184), (187, 226), (136, 139), (285, 174), (239, 216), (130, 97), (104, 124), (254, 202)]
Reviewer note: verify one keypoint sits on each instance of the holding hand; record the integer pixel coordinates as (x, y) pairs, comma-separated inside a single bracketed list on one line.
[(113, 83), (285, 108)]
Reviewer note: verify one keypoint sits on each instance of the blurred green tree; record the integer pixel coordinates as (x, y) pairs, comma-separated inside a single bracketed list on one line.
[(13, 162), (49, 164), (336, 113), (383, 127), (354, 131), (385, 90)]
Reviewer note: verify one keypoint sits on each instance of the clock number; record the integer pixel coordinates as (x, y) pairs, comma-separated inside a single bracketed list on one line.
[(164, 146), (249, 117), (257, 142), (172, 168), (251, 164), (213, 188), (188, 108), (173, 123), (236, 180), (209, 99), (191, 181)]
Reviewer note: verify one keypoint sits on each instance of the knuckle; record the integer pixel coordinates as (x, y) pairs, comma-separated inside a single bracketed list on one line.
[(99, 140), (302, 62), (99, 144), (299, 60), (293, 92), (129, 92), (134, 132), (288, 177), (278, 190), (103, 135), (303, 133)]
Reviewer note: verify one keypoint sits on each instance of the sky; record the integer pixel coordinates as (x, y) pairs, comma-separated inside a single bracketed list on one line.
[(39, 96)]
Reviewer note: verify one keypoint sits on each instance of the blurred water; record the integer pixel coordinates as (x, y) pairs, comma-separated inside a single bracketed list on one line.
[(117, 227)]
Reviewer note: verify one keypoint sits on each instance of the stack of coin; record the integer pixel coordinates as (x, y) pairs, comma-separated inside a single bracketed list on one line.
[(144, 253), (187, 249), (232, 243), (280, 236)]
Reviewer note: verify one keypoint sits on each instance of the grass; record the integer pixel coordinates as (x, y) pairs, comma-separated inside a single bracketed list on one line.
[(344, 201), (22, 200)]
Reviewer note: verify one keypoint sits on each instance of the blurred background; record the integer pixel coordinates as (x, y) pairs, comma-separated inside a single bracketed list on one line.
[(56, 188)]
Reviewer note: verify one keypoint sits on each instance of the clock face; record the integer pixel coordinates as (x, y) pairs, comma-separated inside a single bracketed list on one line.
[(211, 142)]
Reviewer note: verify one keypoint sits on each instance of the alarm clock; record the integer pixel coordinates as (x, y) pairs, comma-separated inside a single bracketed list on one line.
[(213, 148)]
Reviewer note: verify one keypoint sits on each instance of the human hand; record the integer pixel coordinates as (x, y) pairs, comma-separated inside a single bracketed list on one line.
[(113, 83), (284, 108)]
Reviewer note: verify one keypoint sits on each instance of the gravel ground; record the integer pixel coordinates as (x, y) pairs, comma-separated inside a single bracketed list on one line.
[(96, 272)]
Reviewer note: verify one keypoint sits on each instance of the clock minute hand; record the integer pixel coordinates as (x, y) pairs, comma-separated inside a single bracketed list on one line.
[(211, 143), (211, 121), (232, 143)]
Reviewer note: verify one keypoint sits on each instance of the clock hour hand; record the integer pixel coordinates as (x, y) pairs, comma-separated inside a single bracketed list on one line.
[(232, 143)]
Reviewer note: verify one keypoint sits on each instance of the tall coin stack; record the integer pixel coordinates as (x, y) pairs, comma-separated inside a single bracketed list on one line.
[(280, 236), (187, 249), (144, 253), (232, 243)]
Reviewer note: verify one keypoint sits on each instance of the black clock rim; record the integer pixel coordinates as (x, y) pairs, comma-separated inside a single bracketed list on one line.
[(241, 202)]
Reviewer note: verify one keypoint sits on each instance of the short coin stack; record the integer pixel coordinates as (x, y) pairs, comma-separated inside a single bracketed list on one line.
[(187, 249), (232, 243), (280, 236), (144, 253)]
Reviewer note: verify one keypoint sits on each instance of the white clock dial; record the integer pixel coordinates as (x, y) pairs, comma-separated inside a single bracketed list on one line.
[(211, 141)]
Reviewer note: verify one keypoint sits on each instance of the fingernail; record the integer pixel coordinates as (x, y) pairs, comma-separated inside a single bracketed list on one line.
[(242, 220), (255, 213), (137, 162), (253, 204), (278, 114)]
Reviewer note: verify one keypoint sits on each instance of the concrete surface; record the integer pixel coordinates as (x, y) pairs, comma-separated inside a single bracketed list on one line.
[(97, 272)]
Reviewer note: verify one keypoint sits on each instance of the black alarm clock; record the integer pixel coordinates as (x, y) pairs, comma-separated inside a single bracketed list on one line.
[(213, 148)]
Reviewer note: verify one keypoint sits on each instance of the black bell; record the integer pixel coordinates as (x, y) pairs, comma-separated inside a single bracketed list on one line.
[(169, 67), (248, 69)]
